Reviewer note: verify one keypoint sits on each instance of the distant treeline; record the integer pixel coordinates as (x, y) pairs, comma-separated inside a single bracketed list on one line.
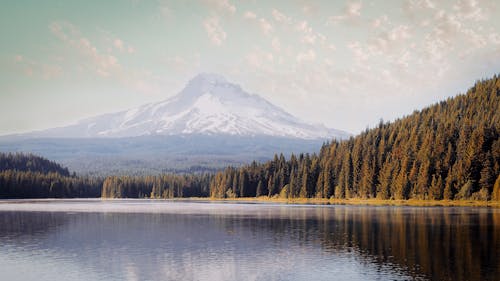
[(30, 163), (450, 150), (164, 186), (30, 176)]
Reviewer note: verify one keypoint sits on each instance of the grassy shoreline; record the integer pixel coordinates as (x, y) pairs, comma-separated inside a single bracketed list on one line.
[(355, 201)]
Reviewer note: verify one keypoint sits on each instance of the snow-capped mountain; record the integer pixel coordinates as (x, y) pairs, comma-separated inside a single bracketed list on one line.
[(208, 105)]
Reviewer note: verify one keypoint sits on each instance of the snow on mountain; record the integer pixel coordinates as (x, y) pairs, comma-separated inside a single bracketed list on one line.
[(208, 105)]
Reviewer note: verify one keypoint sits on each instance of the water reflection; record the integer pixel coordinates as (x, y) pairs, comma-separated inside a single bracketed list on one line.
[(122, 240)]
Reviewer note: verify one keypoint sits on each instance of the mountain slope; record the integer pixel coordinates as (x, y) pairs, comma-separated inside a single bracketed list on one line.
[(208, 105)]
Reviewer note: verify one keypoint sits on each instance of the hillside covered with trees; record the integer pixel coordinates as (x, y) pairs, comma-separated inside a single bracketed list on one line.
[(30, 176), (450, 150), (30, 163)]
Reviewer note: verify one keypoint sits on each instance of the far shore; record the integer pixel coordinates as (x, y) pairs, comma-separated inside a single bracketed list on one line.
[(311, 201), (352, 201), (356, 201)]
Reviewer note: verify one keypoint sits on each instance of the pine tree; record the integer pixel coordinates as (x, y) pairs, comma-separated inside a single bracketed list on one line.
[(495, 195)]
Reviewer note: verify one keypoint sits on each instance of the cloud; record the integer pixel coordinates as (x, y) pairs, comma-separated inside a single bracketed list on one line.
[(412, 5), (360, 54), (101, 63), (307, 56), (265, 26), (469, 9), (310, 37), (118, 44), (249, 15), (121, 46), (276, 44), (380, 21), (389, 45), (31, 68), (214, 31), (399, 33), (352, 11), (260, 60), (280, 17), (113, 42), (303, 27)]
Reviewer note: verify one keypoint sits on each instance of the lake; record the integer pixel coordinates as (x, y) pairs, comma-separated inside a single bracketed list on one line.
[(197, 240)]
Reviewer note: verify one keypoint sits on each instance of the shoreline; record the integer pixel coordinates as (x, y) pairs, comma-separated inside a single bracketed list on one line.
[(356, 201), (298, 201)]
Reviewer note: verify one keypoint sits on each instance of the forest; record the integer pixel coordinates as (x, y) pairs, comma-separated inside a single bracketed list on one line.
[(31, 176), (450, 150)]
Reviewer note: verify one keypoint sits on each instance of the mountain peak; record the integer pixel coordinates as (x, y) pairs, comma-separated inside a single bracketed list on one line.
[(208, 105)]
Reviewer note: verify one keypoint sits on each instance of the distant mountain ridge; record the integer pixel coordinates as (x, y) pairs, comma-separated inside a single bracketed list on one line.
[(208, 105)]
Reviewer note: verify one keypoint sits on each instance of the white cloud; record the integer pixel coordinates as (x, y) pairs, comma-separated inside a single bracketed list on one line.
[(308, 36), (469, 9), (100, 63), (401, 32), (265, 26), (307, 56), (260, 60), (351, 12), (214, 31), (359, 53), (354, 9), (280, 17), (276, 44), (304, 27), (412, 5), (380, 21), (32, 68), (118, 44), (249, 15)]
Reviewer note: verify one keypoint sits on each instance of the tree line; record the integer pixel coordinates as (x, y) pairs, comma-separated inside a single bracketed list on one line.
[(31, 176), (163, 186)]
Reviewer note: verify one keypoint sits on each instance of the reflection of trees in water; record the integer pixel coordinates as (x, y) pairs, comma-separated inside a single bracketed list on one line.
[(439, 243), (19, 225)]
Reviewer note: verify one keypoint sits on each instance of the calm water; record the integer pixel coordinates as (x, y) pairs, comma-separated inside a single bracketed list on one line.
[(164, 240)]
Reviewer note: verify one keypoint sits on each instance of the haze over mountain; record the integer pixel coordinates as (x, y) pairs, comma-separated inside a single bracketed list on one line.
[(208, 105)]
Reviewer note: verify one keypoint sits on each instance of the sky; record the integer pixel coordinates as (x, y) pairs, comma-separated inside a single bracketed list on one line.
[(345, 64)]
